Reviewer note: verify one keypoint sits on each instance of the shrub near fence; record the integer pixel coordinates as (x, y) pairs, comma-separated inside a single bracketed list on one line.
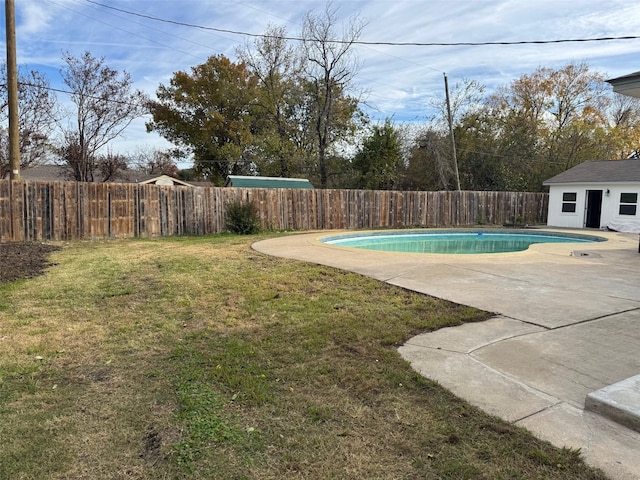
[(38, 211)]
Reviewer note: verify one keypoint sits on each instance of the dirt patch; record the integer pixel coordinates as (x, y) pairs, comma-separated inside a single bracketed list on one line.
[(23, 260)]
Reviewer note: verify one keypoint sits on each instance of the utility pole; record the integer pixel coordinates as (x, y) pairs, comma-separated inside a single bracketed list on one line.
[(453, 140), (12, 88)]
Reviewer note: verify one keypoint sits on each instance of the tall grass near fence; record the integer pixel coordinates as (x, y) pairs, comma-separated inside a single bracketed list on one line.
[(36, 211)]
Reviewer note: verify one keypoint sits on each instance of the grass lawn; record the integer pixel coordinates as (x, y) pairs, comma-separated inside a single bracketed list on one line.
[(196, 357)]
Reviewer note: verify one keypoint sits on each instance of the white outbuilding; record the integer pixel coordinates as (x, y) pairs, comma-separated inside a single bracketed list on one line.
[(596, 195)]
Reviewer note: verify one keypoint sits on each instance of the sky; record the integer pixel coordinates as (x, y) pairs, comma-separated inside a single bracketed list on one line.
[(397, 82)]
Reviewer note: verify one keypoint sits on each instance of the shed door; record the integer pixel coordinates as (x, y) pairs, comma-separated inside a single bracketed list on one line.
[(594, 208)]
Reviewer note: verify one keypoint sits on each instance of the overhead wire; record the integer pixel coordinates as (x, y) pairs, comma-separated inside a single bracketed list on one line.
[(367, 43), (68, 92), (357, 42), (129, 32), (363, 42)]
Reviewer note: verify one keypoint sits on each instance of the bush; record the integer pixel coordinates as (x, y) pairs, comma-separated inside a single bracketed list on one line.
[(242, 218)]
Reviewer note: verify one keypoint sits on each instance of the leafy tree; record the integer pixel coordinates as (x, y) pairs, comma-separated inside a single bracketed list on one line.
[(623, 116), (210, 113), (279, 139), (329, 71), (105, 105), (480, 166), (428, 164), (379, 160), (541, 124), (279, 111), (37, 108), (559, 115)]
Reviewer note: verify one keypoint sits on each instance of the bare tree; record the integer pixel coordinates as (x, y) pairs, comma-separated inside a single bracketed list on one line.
[(153, 161), (105, 106), (466, 95), (624, 110), (330, 69), (110, 165), (37, 110)]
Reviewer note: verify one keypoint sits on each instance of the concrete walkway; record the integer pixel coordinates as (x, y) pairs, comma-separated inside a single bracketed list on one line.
[(567, 325)]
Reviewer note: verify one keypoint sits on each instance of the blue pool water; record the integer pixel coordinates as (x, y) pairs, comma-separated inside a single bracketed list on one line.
[(454, 241)]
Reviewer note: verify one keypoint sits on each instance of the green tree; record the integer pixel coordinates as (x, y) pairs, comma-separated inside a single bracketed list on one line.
[(555, 118), (496, 150), (280, 141), (539, 125), (428, 164), (209, 113), (624, 127), (480, 167), (379, 160)]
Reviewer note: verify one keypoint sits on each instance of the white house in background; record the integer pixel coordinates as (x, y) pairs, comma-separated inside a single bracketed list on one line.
[(596, 195), (627, 85)]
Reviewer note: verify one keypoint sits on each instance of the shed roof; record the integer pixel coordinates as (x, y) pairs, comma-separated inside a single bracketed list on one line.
[(600, 172), (266, 182)]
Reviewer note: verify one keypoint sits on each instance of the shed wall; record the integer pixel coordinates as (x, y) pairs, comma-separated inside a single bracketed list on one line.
[(610, 204)]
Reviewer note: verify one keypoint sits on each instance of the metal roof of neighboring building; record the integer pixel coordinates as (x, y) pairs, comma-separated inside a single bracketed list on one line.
[(600, 172), (266, 182)]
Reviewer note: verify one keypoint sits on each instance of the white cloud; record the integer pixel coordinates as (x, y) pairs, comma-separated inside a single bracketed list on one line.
[(399, 80)]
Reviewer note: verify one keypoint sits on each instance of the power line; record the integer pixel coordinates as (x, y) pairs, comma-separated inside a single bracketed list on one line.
[(129, 32), (362, 42), (68, 92)]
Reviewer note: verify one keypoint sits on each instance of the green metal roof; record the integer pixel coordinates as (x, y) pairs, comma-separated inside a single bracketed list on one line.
[(266, 182)]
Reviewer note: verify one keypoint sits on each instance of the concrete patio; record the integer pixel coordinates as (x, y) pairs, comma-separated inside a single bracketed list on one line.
[(566, 325)]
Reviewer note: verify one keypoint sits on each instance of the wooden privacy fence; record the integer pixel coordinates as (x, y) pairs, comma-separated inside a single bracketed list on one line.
[(38, 211)]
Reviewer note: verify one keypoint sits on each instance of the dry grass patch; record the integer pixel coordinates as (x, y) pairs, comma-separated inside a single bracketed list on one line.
[(196, 357)]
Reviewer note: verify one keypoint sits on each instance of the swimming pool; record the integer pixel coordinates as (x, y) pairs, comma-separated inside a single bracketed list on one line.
[(454, 241)]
